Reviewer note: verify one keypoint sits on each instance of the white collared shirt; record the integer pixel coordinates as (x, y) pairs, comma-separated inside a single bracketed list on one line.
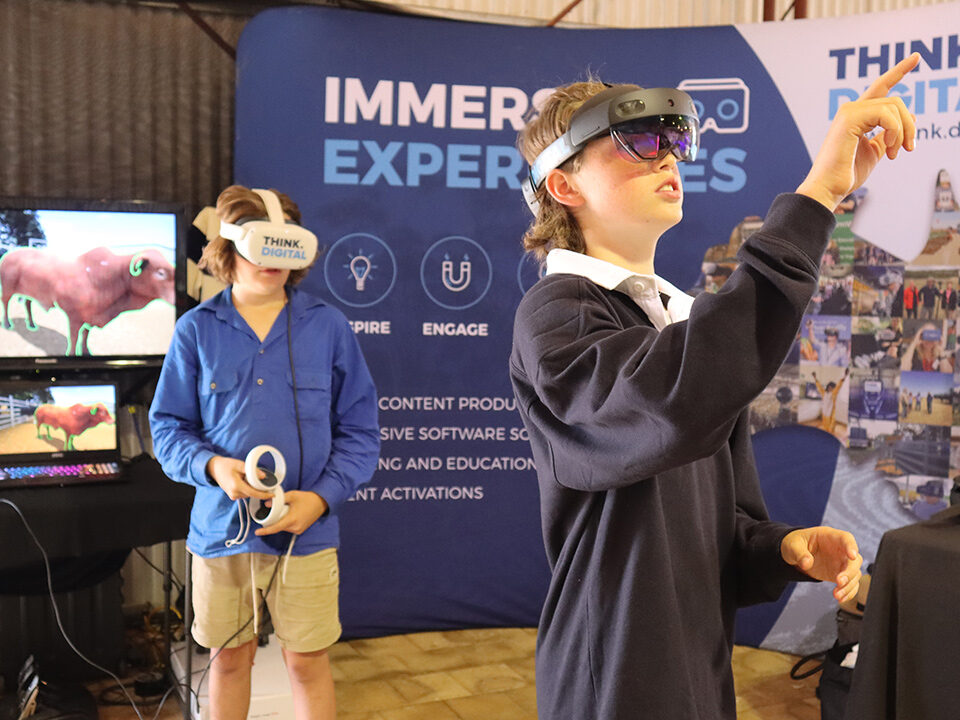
[(644, 290)]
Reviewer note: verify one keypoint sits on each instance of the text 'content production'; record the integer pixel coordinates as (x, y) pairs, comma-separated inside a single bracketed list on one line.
[(410, 442)]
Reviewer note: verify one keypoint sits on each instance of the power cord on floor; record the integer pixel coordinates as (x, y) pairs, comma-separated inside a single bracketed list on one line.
[(63, 632), (119, 683), (262, 607)]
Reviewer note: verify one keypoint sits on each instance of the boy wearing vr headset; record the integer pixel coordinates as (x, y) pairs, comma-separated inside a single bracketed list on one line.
[(264, 363), (634, 396)]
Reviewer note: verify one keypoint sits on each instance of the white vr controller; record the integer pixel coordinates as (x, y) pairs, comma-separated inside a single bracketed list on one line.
[(271, 482)]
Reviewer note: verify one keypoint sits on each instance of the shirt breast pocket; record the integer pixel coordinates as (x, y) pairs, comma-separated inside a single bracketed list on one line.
[(313, 393), (218, 394)]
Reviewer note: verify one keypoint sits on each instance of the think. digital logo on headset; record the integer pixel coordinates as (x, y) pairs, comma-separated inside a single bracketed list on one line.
[(286, 248), (272, 242), (723, 104)]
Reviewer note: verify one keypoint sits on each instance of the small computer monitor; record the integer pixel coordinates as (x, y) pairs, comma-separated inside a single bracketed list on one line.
[(87, 283), (55, 432)]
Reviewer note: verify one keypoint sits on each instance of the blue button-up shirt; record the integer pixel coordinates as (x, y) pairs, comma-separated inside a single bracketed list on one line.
[(222, 392)]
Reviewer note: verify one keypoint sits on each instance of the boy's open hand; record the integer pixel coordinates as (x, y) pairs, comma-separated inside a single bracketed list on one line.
[(851, 150), (825, 553)]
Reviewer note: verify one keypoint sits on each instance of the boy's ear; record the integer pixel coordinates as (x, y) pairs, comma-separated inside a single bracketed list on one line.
[(563, 188)]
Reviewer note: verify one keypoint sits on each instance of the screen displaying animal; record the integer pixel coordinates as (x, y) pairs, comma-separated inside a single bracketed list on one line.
[(91, 289), (89, 282), (73, 420)]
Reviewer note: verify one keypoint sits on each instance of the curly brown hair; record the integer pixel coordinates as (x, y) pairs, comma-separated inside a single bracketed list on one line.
[(554, 225), (235, 203)]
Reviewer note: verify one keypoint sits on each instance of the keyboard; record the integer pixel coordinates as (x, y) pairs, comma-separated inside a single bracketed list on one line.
[(66, 474)]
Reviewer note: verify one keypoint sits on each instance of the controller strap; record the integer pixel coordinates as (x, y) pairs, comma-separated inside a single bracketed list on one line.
[(245, 522)]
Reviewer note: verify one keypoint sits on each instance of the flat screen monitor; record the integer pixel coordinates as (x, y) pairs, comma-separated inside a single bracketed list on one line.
[(86, 283), (55, 432)]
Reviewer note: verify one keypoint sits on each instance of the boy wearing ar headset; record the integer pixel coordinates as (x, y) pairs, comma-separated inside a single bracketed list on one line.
[(262, 363), (634, 396)]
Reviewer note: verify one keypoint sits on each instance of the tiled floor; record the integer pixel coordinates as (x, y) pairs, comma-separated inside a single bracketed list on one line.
[(463, 675), (488, 675)]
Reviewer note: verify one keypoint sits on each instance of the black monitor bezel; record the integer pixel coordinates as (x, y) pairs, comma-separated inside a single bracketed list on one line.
[(90, 362)]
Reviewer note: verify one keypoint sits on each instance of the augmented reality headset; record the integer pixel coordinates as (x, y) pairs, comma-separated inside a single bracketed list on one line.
[(646, 124), (274, 241)]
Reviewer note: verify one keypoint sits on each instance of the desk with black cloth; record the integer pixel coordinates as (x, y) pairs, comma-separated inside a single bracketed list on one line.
[(87, 532), (908, 667), (144, 508)]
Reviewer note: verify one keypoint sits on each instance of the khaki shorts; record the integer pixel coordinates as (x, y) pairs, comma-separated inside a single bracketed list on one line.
[(303, 605)]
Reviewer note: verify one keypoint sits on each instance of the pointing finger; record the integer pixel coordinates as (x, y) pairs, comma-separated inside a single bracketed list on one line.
[(882, 86)]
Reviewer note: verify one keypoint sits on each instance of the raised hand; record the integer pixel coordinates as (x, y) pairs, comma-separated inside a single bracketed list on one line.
[(851, 150)]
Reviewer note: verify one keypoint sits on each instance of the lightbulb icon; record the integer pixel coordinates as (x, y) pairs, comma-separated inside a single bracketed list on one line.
[(360, 269)]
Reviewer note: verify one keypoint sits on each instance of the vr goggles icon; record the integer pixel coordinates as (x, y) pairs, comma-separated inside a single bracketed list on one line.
[(723, 104), (645, 123), (274, 241)]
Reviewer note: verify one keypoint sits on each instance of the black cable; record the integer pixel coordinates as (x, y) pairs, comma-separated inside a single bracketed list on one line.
[(167, 695), (276, 567), (263, 604), (109, 697), (296, 410), (795, 671), (293, 379), (56, 610), (173, 577)]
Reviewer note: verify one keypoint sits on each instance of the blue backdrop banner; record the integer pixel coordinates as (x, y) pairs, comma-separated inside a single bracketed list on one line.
[(396, 136)]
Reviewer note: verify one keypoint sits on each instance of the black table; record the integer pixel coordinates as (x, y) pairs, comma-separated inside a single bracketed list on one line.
[(908, 666), (144, 508), (87, 531)]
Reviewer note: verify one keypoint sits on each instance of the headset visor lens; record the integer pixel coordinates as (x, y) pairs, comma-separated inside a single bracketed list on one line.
[(653, 137)]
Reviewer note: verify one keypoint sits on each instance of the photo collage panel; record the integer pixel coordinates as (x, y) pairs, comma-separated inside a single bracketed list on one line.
[(875, 359)]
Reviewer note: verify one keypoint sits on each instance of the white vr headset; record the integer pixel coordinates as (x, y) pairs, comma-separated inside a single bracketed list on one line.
[(274, 241)]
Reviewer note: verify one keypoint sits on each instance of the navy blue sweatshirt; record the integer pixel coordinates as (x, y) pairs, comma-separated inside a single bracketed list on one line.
[(653, 521)]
